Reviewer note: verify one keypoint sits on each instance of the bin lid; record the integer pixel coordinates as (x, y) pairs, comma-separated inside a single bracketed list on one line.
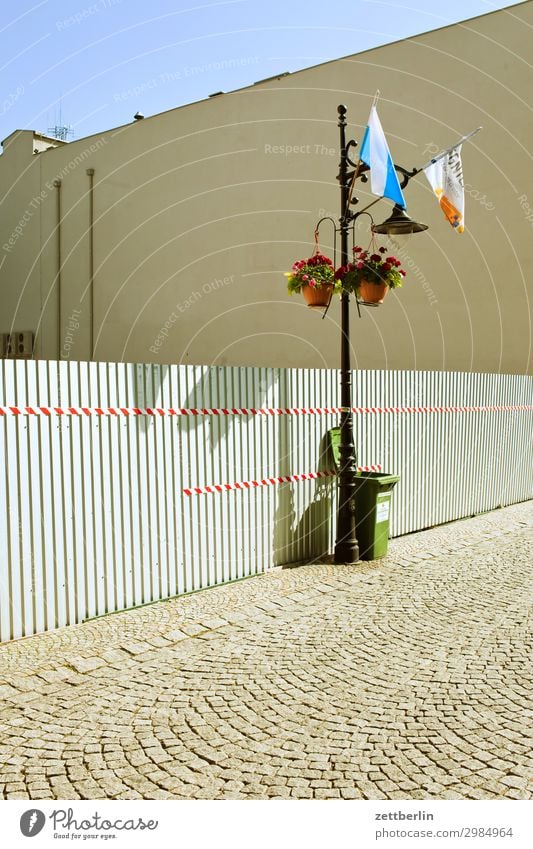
[(380, 479)]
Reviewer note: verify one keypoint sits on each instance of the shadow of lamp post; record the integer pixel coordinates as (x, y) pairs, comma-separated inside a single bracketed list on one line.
[(398, 224)]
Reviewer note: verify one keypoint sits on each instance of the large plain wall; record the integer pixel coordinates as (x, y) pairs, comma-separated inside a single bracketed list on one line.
[(199, 210)]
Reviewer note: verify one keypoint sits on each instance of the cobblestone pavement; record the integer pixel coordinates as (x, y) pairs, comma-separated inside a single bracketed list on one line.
[(404, 678)]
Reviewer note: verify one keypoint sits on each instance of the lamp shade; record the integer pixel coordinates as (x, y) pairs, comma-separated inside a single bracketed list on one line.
[(399, 224)]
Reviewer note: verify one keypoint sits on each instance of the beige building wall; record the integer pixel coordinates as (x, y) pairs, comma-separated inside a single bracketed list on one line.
[(198, 212)]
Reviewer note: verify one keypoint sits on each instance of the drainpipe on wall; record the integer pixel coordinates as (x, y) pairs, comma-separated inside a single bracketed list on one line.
[(90, 174), (57, 184)]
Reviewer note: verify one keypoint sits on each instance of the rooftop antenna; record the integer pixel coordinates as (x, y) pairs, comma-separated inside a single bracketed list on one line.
[(60, 131)]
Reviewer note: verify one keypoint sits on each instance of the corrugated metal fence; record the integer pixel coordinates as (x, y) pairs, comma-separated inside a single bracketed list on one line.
[(121, 484)]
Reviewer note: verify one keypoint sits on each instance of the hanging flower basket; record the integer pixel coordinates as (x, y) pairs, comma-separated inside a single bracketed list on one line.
[(314, 278), (370, 275)]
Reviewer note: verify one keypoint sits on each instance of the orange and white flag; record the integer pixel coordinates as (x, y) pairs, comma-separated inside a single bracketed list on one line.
[(446, 179)]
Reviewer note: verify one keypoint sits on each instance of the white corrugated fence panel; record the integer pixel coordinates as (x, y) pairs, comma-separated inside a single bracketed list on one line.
[(96, 510)]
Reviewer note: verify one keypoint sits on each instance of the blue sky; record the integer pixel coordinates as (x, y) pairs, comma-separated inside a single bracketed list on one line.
[(94, 64)]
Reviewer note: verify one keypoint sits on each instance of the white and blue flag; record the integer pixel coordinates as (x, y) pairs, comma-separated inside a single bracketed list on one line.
[(376, 154)]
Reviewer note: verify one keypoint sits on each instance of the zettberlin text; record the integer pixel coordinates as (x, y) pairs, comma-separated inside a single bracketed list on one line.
[(399, 815)]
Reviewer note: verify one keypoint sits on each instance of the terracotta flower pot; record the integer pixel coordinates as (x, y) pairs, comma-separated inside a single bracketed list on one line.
[(371, 293), (317, 297)]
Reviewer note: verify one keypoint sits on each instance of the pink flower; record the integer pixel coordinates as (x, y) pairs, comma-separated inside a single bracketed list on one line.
[(312, 282), (305, 277), (360, 265)]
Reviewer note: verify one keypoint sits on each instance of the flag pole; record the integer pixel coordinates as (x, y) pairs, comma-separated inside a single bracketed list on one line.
[(359, 163), (447, 151)]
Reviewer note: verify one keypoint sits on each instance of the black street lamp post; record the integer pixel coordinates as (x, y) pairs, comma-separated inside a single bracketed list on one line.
[(346, 546)]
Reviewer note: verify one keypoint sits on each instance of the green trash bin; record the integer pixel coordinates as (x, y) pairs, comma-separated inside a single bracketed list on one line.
[(372, 505), (334, 436), (372, 513)]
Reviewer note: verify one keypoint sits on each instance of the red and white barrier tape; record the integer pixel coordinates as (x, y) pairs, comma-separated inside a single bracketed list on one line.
[(243, 411), (225, 487)]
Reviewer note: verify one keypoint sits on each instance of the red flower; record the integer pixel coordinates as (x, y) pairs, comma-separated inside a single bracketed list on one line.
[(319, 259), (386, 266), (402, 272), (383, 250), (375, 258)]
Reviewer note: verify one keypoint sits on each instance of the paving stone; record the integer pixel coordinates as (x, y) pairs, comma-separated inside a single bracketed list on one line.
[(515, 781), (88, 664), (375, 681), (213, 622), (135, 648), (176, 636), (6, 691), (301, 793)]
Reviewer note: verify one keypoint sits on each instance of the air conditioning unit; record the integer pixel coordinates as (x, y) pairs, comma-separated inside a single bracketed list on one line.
[(17, 345)]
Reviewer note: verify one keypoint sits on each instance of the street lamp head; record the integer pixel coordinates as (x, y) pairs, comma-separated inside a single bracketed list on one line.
[(399, 224)]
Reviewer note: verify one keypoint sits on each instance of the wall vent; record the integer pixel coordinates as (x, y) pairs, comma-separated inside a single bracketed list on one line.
[(17, 345)]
